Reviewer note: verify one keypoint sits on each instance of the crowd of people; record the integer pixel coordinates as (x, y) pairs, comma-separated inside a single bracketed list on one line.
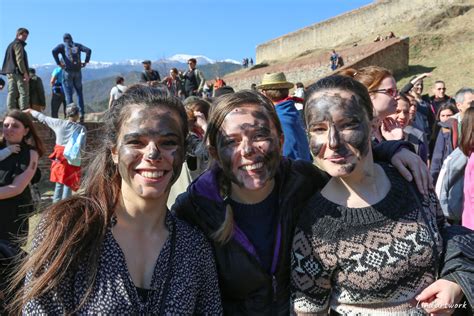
[(250, 202)]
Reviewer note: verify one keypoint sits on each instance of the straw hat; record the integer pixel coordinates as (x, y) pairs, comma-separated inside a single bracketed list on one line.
[(274, 81)]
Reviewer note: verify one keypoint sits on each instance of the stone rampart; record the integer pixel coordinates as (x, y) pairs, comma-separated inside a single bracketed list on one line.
[(349, 27), (391, 54)]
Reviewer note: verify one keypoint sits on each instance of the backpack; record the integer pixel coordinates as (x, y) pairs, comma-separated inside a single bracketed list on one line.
[(72, 151), (450, 185), (73, 54)]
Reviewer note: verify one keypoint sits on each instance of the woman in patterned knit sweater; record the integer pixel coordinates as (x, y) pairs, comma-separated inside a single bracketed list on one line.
[(115, 248), (367, 244)]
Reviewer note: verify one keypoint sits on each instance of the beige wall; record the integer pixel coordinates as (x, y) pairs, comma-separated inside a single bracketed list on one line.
[(391, 54), (351, 26)]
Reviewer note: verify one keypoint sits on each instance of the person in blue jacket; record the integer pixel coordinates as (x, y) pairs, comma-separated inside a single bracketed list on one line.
[(275, 87)]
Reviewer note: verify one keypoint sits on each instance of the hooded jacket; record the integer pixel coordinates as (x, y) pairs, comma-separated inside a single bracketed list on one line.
[(246, 287)]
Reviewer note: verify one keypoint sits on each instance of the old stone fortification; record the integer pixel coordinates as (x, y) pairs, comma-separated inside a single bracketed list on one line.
[(391, 54), (348, 27), (47, 135)]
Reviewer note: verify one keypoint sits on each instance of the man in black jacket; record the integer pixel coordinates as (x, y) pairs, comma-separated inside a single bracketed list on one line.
[(149, 76), (15, 66)]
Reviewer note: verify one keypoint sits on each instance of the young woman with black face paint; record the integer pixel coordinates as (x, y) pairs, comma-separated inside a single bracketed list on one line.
[(115, 248), (368, 243), (248, 203)]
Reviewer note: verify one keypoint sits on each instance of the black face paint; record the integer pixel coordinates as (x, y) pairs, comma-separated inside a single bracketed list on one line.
[(254, 138), (160, 126), (336, 121)]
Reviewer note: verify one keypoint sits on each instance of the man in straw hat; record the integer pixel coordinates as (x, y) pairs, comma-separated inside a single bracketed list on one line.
[(275, 87)]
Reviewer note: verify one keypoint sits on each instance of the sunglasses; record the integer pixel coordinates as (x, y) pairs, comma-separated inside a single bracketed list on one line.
[(391, 92)]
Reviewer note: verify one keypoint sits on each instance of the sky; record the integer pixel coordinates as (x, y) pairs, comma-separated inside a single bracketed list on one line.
[(117, 30)]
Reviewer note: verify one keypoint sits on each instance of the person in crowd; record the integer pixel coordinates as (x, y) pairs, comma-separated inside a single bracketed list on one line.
[(334, 60), (390, 35), (15, 66), (2, 84), (467, 147), (85, 259), (379, 38), (37, 97), (58, 97), (173, 83), (218, 83), (424, 118), (248, 202), (299, 93), (149, 76), (72, 64), (444, 142), (253, 86), (354, 250), (439, 96), (117, 90), (383, 94), (223, 90), (66, 175), (275, 87), (411, 134), (251, 62), (193, 79), (463, 98), (17, 171)]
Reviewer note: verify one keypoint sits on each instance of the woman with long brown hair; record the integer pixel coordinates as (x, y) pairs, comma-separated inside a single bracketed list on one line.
[(248, 202), (114, 248)]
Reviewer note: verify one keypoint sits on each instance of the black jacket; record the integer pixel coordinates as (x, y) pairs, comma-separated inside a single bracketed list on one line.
[(246, 288), (10, 64)]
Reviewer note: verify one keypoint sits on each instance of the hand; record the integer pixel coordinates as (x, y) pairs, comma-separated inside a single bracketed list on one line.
[(420, 77), (439, 297), (391, 129), (404, 161), (200, 120), (83, 65), (26, 77), (27, 111), (15, 148)]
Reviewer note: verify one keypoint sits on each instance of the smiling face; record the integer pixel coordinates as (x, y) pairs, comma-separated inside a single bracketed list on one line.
[(149, 152), (248, 147), (339, 131), (439, 90), (14, 130), (384, 103), (402, 114)]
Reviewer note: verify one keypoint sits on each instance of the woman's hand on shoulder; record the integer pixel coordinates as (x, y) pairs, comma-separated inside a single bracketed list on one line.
[(411, 166), (440, 297)]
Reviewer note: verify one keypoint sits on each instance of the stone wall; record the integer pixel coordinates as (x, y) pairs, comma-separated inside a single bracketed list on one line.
[(391, 54), (47, 135), (348, 27)]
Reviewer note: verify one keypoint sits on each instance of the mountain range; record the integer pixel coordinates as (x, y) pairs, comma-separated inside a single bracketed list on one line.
[(98, 77)]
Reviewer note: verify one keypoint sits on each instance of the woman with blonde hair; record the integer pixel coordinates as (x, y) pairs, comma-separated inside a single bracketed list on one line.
[(248, 202)]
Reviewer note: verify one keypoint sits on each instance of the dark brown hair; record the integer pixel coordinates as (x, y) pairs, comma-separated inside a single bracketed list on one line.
[(277, 94), (467, 132), (73, 230), (32, 137)]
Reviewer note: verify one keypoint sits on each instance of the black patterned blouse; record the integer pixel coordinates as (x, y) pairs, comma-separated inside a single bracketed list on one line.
[(190, 289)]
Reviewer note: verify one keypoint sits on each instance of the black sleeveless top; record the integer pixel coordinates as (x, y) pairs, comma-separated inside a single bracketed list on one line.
[(14, 210)]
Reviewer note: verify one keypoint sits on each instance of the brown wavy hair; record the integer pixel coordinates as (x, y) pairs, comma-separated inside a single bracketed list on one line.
[(221, 107), (72, 230), (32, 137)]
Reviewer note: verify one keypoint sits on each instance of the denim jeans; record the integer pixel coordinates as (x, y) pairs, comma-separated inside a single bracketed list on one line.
[(61, 192), (72, 80)]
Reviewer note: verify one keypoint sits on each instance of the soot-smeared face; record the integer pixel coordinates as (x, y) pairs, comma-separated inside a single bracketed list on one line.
[(248, 147), (339, 131), (149, 152)]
